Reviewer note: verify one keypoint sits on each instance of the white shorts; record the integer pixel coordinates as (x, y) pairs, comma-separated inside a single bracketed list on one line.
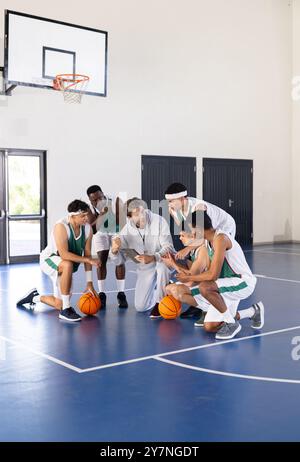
[(101, 241), (233, 290), (50, 266), (203, 303)]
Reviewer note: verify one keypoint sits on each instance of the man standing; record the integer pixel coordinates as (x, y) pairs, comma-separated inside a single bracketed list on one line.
[(106, 221), (147, 234)]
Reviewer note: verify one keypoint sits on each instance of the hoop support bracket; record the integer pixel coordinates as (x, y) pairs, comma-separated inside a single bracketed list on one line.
[(7, 90)]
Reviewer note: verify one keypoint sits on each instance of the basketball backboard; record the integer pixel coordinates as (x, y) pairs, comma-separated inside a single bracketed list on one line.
[(37, 49)]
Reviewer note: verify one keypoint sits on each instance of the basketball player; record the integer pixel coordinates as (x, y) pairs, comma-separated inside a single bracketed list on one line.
[(70, 245), (106, 219), (181, 206), (226, 282), (149, 235)]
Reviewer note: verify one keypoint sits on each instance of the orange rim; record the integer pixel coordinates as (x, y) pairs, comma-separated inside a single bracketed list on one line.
[(71, 80)]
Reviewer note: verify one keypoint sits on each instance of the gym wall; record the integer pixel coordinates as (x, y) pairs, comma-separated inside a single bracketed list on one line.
[(197, 78)]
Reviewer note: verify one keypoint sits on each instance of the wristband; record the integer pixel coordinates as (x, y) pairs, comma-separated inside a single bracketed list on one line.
[(88, 275)]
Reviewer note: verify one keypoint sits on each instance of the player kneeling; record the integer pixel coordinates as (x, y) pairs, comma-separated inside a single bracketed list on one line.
[(70, 245), (226, 282)]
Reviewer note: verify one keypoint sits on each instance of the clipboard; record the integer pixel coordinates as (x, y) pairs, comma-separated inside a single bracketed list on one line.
[(131, 253)]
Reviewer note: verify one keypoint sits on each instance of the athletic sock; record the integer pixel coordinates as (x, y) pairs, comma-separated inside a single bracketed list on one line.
[(120, 285), (36, 299), (66, 301), (101, 285), (248, 313), (228, 318)]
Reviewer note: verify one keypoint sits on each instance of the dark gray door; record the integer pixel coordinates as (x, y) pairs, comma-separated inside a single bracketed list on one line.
[(158, 172), (228, 183)]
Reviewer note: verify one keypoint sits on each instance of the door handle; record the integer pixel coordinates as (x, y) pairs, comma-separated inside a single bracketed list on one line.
[(2, 214), (230, 202)]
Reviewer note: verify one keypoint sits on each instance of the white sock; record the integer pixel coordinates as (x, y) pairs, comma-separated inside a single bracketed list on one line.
[(248, 313), (66, 301), (228, 318), (36, 299), (101, 285), (120, 285)]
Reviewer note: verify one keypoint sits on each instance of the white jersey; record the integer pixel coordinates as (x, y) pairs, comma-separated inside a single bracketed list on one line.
[(235, 264), (107, 223), (51, 248), (219, 218)]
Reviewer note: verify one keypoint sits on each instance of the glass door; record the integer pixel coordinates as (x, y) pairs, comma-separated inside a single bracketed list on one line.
[(25, 205), (2, 210)]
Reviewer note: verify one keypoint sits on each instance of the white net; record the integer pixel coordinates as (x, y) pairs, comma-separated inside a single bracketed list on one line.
[(73, 86)]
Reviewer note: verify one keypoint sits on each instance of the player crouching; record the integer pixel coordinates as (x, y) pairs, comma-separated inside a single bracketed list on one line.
[(70, 245), (221, 287)]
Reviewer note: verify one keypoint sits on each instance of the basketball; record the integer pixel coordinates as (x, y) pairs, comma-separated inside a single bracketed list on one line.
[(169, 307), (89, 304)]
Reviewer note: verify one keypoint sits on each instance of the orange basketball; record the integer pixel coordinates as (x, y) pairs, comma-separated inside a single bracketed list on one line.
[(89, 304), (169, 307)]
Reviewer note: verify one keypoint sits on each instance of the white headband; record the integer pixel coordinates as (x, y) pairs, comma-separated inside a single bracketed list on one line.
[(73, 214), (176, 195)]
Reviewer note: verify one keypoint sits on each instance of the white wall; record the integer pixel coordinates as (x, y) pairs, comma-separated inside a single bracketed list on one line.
[(194, 77), (296, 124)]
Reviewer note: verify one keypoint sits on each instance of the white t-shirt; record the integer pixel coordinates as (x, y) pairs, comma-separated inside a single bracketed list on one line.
[(219, 218)]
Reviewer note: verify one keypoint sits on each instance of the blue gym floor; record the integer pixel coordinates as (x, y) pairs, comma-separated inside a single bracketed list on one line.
[(120, 376)]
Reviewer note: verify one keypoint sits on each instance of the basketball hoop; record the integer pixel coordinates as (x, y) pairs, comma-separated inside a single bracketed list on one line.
[(72, 86)]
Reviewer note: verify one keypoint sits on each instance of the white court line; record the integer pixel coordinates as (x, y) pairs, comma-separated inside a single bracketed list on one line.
[(281, 248), (120, 363), (262, 276), (273, 252), (226, 374), (185, 350), (38, 353), (145, 358), (286, 249), (107, 291)]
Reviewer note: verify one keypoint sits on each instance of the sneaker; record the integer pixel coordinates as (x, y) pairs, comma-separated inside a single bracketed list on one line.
[(200, 321), (28, 299), (228, 331), (258, 319), (155, 314), (122, 300), (69, 314), (102, 297), (191, 312)]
